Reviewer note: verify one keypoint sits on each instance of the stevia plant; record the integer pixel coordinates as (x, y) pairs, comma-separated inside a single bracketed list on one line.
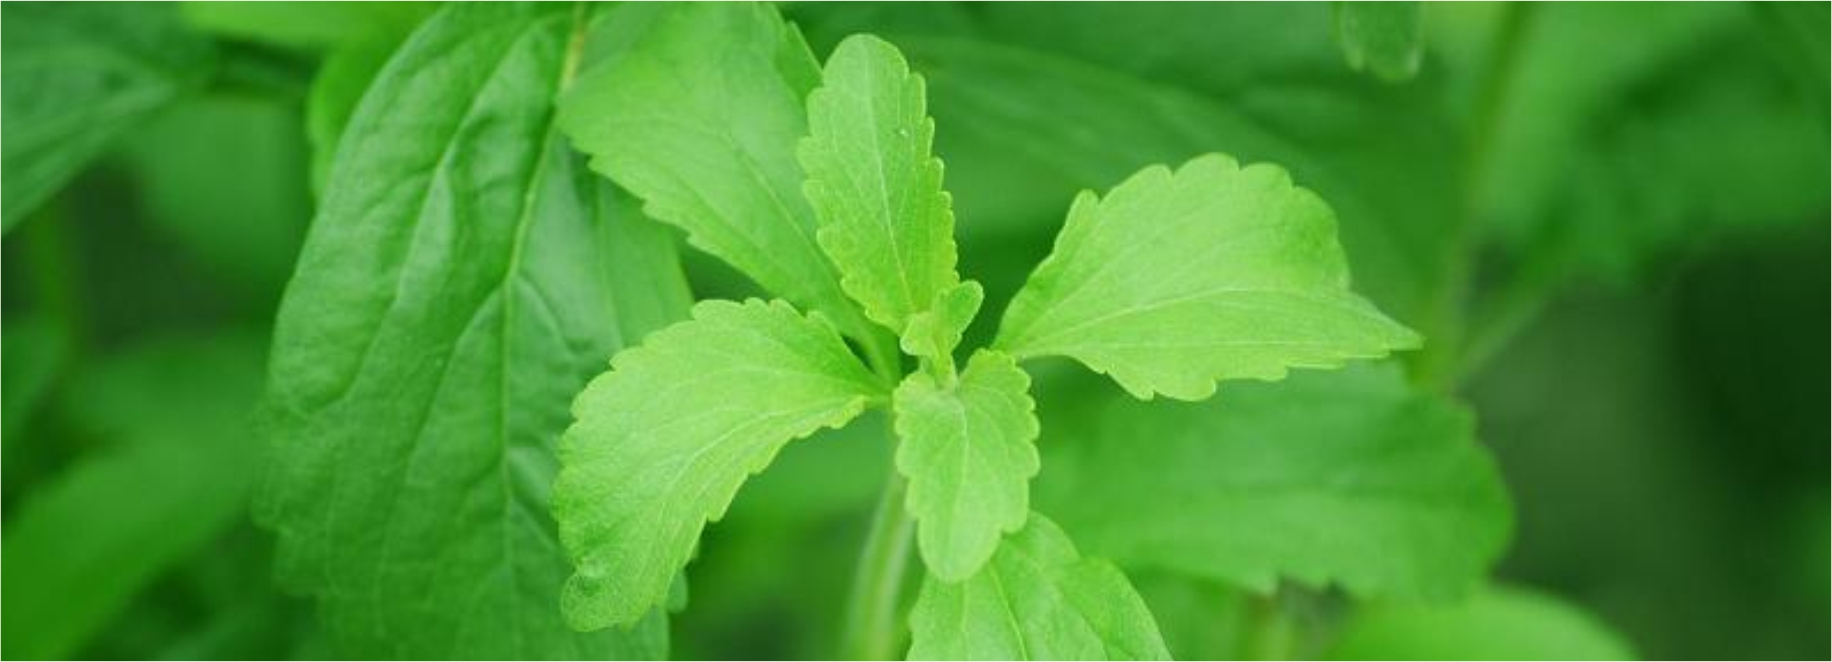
[(483, 184), (1172, 281)]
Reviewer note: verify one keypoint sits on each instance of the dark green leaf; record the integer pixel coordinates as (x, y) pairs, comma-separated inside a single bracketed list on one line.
[(1349, 478), (307, 25), (1498, 623), (243, 223), (465, 276), (77, 76), (175, 472)]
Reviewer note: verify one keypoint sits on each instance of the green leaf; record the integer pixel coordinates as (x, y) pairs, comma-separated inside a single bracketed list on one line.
[(307, 25), (77, 77), (885, 220), (1700, 145), (465, 277), (1038, 599), (967, 448), (934, 333), (1499, 623), (341, 80), (1349, 477), (665, 439), (242, 224), (1177, 280), (1383, 37), (1026, 130), (174, 473), (700, 119), (1556, 92)]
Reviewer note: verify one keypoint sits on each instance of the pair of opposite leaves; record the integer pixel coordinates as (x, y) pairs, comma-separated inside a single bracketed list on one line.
[(1171, 282)]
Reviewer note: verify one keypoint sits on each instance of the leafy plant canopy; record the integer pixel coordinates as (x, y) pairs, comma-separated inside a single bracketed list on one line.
[(609, 321)]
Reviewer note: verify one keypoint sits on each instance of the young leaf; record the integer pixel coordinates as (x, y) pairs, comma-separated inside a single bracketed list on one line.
[(1501, 622), (885, 220), (700, 118), (1383, 37), (1027, 129), (465, 277), (934, 333), (664, 440), (967, 450), (1348, 477), (1038, 599), (77, 77), (1176, 280)]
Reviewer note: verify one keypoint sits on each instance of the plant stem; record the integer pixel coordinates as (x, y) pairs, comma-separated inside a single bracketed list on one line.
[(1438, 365), (873, 629)]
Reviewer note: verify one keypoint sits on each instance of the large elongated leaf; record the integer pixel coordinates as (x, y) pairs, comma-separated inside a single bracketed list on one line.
[(465, 276), (700, 118), (76, 77), (1037, 600), (1176, 280), (885, 220), (665, 439), (967, 449), (1348, 477)]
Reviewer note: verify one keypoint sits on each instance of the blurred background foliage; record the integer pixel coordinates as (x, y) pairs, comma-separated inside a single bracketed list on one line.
[(1611, 222)]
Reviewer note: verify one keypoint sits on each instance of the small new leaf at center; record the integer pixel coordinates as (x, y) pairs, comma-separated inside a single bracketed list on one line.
[(967, 450)]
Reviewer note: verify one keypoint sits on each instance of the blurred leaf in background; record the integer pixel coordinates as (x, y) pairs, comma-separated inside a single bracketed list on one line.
[(78, 77), (170, 471), (1498, 622)]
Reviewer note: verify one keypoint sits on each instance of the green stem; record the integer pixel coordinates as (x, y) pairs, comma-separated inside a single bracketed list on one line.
[(55, 269), (1438, 364), (873, 629)]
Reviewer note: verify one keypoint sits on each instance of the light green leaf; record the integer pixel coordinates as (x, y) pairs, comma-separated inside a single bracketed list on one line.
[(665, 439), (967, 448), (1499, 623), (934, 333), (700, 118), (1176, 280), (77, 76), (173, 473), (1038, 599), (1386, 38), (885, 220), (1350, 478), (307, 25), (1025, 130), (414, 423)]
